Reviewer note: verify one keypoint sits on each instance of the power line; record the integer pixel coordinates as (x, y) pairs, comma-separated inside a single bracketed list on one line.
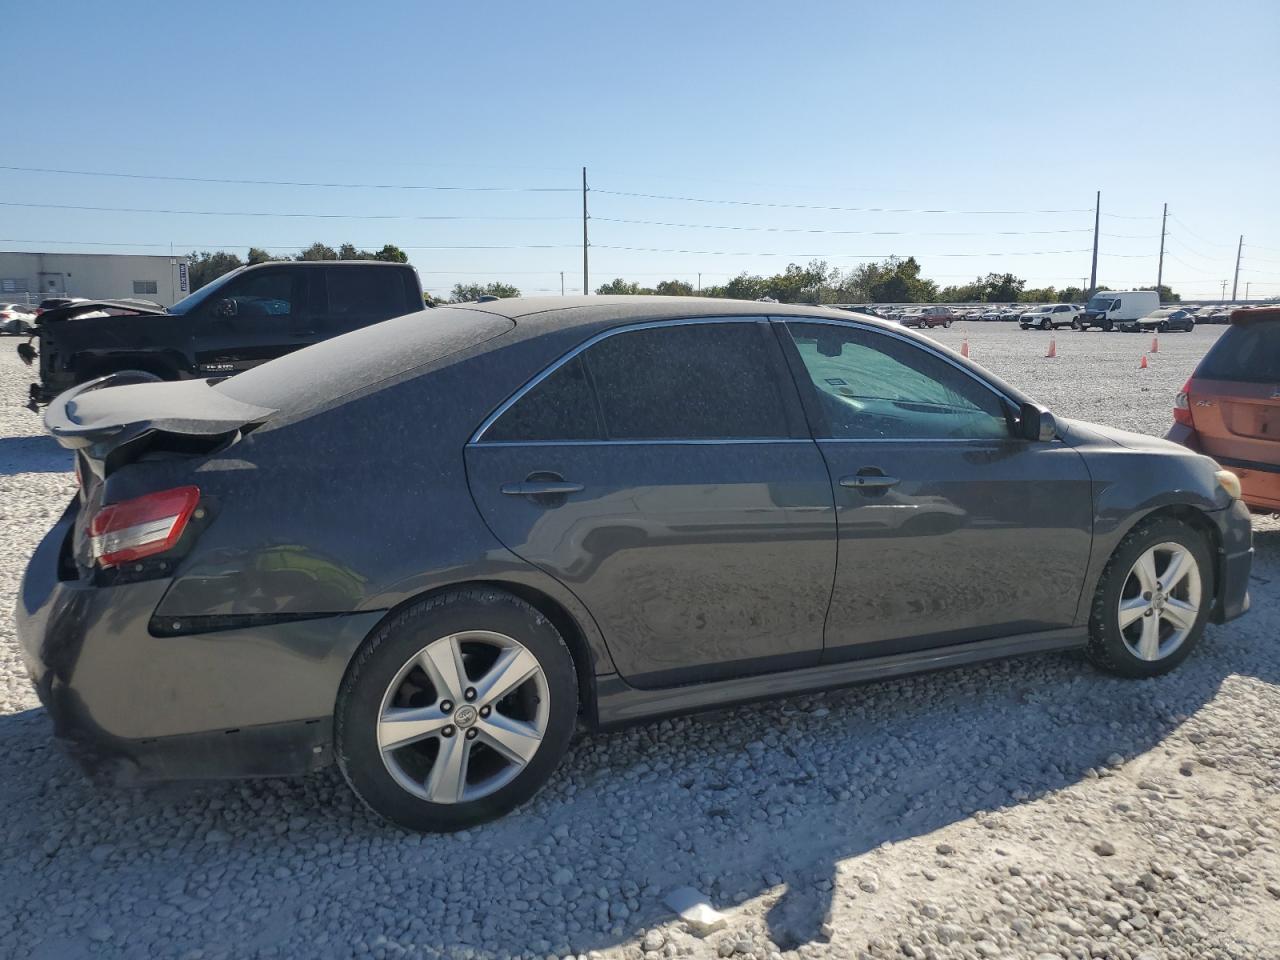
[(289, 183), (813, 206), (877, 233), (865, 256), (285, 246), (1212, 243), (1124, 216), (260, 213)]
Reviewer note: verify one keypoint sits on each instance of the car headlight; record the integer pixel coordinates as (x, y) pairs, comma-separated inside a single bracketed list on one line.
[(1229, 482)]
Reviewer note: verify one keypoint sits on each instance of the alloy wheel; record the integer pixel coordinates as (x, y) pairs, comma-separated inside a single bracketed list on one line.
[(1160, 601), (463, 717)]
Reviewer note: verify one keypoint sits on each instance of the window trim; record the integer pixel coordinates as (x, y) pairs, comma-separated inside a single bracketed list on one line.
[(782, 372), (817, 422)]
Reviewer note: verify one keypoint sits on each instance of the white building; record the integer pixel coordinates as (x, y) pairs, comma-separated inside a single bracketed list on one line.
[(31, 277)]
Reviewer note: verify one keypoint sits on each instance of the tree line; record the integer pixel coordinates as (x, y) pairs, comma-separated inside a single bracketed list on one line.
[(895, 280)]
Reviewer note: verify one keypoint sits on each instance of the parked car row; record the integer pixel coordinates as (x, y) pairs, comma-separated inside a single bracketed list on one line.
[(1107, 310), (16, 320)]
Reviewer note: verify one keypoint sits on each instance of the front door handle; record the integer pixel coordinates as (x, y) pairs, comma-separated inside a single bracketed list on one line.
[(540, 488), (869, 481)]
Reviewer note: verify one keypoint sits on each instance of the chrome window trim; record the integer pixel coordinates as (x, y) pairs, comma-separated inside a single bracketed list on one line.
[(666, 441), (478, 436), (877, 328)]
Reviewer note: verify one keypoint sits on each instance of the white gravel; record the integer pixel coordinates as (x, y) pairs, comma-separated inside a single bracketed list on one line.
[(1024, 809)]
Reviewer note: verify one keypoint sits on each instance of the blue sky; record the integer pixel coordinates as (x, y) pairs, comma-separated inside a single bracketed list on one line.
[(1012, 107)]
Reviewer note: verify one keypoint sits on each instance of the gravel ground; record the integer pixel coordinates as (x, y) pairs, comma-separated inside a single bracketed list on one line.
[(1025, 809)]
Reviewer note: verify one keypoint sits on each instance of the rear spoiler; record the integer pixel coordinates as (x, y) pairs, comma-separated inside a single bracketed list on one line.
[(113, 410)]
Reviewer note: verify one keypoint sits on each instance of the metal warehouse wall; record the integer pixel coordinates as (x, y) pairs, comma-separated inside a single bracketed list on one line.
[(98, 276)]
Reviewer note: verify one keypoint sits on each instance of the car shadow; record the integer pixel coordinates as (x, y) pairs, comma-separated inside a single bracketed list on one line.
[(39, 454), (766, 801)]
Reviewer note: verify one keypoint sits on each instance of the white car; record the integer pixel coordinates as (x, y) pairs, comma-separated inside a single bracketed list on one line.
[(1050, 316)]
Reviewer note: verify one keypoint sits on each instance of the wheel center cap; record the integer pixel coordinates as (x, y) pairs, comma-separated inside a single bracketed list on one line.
[(465, 716), (1158, 601)]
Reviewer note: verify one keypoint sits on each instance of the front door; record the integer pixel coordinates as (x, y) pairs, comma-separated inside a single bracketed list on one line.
[(950, 528), (255, 318), (665, 476)]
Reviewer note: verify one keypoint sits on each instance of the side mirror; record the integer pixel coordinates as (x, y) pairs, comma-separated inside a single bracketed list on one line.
[(226, 308), (1036, 423)]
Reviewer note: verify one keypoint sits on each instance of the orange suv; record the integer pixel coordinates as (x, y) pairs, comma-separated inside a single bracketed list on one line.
[(1230, 408)]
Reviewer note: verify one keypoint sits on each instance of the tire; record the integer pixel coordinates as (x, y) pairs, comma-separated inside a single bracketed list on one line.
[(1162, 326), (1075, 325), (946, 324), (1116, 649), (495, 635), (1107, 325), (1046, 325)]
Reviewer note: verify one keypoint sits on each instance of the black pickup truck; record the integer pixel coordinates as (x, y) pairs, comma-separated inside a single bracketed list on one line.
[(242, 319)]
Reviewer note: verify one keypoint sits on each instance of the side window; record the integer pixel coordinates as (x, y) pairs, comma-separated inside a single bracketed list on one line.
[(560, 407), (255, 296), (690, 381), (869, 386), (1115, 305), (364, 292)]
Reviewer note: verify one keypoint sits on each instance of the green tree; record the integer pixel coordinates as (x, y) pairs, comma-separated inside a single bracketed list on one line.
[(392, 254), (674, 288), (1039, 295), (619, 287), (258, 255), (895, 281), (205, 267), (319, 251), (1166, 295), (469, 292)]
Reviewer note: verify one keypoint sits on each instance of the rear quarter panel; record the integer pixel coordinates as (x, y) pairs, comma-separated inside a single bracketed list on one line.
[(362, 507)]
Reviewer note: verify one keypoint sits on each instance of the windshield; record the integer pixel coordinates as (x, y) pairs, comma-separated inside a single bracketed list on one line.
[(1247, 352), (194, 299), (1100, 303)]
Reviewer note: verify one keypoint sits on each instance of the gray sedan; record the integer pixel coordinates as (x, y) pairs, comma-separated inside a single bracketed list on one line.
[(429, 549)]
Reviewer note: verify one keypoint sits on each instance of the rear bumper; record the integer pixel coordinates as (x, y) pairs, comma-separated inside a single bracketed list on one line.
[(130, 706)]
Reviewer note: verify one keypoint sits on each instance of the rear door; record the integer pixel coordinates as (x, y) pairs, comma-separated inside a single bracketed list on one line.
[(664, 474), (348, 297), (950, 528)]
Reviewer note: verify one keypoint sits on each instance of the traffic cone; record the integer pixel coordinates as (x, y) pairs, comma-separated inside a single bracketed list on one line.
[(964, 347), (1143, 364), (1155, 344), (1053, 348)]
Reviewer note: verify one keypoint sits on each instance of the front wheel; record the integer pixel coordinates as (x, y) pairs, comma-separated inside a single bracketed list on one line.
[(1162, 326), (1075, 325), (1152, 601), (1045, 325), (946, 324), (456, 711)]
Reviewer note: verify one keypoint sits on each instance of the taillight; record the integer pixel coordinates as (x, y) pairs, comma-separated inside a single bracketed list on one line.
[(1182, 406), (143, 527)]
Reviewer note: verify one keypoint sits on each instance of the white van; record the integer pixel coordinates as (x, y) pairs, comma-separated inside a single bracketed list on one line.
[(1109, 307)]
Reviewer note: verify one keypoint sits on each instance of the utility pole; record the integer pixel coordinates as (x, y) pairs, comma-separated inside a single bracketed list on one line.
[(1097, 220), (699, 282), (1236, 282), (562, 283), (586, 284), (1246, 291), (1164, 217), (1224, 291)]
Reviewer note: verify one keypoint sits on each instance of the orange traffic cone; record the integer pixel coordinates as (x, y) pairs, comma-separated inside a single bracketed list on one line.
[(1155, 344), (1143, 364), (964, 347), (1053, 348)]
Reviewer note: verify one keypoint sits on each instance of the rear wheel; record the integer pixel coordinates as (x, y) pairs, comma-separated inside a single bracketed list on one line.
[(456, 711), (1075, 325), (1153, 600)]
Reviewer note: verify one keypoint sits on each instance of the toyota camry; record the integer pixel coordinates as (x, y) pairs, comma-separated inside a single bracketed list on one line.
[(428, 550)]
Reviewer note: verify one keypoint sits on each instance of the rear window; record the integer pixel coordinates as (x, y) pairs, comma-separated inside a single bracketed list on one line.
[(344, 365), (1246, 352)]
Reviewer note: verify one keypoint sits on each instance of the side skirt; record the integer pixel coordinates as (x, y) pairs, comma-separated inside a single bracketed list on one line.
[(619, 703)]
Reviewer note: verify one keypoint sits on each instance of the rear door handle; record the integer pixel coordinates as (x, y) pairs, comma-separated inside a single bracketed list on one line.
[(540, 488), (869, 481)]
